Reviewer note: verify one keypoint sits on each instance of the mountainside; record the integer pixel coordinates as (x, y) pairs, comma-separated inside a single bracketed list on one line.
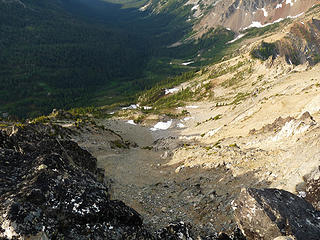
[(228, 151), (63, 54), (234, 14), (235, 144), (53, 58), (299, 45)]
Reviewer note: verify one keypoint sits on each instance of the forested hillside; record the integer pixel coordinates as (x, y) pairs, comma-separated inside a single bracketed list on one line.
[(63, 54), (51, 59)]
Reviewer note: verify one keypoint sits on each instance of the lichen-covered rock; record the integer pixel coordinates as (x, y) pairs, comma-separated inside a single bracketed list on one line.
[(49, 188), (270, 213)]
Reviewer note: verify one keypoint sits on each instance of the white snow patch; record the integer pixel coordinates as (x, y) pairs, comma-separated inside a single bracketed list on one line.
[(265, 13), (289, 2), (195, 7), (171, 90), (237, 38), (145, 7), (188, 118), (254, 24), (161, 126), (192, 107), (180, 125), (187, 63), (296, 16), (133, 106), (147, 108), (213, 132), (279, 5), (131, 122), (259, 25)]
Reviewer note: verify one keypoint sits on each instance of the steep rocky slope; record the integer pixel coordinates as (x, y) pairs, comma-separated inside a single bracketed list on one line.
[(50, 188), (235, 146), (299, 45), (247, 122)]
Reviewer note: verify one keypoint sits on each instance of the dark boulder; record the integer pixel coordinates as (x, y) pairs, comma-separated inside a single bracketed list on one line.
[(270, 213), (49, 188)]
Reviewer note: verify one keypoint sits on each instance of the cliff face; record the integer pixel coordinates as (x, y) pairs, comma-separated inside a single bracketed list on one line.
[(301, 44), (240, 14)]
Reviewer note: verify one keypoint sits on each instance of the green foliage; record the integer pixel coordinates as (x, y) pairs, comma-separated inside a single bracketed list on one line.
[(129, 3), (64, 54), (74, 54), (79, 122), (139, 119), (316, 58), (238, 77), (234, 145), (41, 119), (147, 147), (152, 95), (217, 144), (239, 98), (212, 47), (313, 8), (175, 100), (118, 144), (217, 117), (222, 70), (178, 115), (260, 77), (264, 51), (257, 32)]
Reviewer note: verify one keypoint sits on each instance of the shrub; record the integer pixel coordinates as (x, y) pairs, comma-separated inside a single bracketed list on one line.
[(264, 51)]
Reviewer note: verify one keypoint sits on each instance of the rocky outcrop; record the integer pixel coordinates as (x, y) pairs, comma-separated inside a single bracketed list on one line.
[(300, 45), (51, 188), (270, 213)]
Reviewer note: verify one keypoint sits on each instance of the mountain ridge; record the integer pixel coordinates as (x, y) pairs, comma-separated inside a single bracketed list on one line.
[(237, 15)]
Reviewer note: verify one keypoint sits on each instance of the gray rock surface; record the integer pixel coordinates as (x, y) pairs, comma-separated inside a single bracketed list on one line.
[(270, 213), (52, 189)]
